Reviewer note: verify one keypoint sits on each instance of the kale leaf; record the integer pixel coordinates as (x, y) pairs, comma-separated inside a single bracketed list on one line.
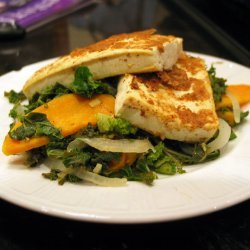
[(52, 175), (85, 85), (46, 95), (35, 124), (134, 174), (89, 131), (218, 84), (108, 124), (36, 156), (15, 97), (243, 115)]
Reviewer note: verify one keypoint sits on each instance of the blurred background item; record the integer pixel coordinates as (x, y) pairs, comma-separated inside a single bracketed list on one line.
[(20, 16)]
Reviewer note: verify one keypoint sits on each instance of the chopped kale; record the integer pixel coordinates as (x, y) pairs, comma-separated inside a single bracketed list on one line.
[(76, 159), (104, 158), (56, 174), (15, 97), (89, 131), (142, 165), (232, 135), (108, 124), (85, 85), (153, 156), (46, 95), (133, 174), (163, 162), (36, 156), (218, 84), (14, 111), (52, 175), (243, 115), (35, 124), (87, 157), (72, 178), (61, 143)]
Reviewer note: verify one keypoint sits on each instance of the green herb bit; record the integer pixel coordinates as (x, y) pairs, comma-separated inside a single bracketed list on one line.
[(232, 135), (15, 97), (52, 175), (243, 116), (218, 84)]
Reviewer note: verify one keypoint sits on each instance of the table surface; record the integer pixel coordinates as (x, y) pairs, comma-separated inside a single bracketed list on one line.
[(23, 229)]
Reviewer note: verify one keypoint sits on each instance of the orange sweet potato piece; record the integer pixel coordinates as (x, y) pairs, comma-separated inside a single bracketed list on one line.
[(241, 92), (126, 159), (227, 116), (69, 113)]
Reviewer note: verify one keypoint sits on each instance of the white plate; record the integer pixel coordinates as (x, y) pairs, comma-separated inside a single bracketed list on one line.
[(205, 188)]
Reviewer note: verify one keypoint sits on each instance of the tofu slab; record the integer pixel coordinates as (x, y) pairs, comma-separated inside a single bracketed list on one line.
[(136, 52), (175, 104)]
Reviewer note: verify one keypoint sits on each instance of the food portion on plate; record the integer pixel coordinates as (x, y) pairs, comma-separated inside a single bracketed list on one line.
[(129, 107)]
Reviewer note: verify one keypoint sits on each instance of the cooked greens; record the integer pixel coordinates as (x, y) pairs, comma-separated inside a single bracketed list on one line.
[(14, 97), (218, 84), (46, 95), (108, 124), (85, 85), (35, 124)]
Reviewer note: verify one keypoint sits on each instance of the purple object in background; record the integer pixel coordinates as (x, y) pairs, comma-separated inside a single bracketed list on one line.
[(36, 10), (30, 14)]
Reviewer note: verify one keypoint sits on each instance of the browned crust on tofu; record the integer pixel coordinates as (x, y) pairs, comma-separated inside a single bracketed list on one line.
[(166, 84), (136, 40)]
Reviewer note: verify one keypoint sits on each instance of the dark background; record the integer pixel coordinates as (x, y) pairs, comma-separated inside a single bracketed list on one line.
[(231, 15)]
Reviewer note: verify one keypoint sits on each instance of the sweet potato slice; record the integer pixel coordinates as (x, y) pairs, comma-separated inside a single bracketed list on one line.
[(241, 92), (126, 159), (69, 113)]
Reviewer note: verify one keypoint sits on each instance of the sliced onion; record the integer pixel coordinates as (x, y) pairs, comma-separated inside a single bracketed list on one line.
[(76, 144), (236, 106), (222, 139), (85, 175), (100, 180), (53, 163), (122, 145)]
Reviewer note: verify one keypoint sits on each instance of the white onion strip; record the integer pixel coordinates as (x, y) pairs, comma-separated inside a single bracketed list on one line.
[(122, 145), (236, 106), (100, 180), (85, 175), (222, 139)]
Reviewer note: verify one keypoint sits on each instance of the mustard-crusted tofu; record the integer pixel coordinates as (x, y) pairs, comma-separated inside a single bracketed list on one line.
[(136, 52), (175, 104)]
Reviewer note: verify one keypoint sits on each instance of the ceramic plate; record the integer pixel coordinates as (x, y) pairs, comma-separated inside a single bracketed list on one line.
[(203, 189)]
